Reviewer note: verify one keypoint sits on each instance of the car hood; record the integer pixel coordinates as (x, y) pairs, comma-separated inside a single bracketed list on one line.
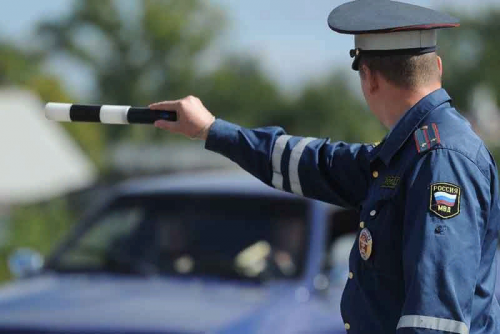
[(79, 302)]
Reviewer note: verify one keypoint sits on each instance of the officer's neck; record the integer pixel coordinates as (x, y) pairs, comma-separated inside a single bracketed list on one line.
[(397, 101)]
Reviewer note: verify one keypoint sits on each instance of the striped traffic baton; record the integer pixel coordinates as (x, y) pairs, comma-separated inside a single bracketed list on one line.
[(107, 114)]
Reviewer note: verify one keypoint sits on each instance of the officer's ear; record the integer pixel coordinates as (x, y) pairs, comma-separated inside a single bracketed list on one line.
[(440, 66), (369, 78)]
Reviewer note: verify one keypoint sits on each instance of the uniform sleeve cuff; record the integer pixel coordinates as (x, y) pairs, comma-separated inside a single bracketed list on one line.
[(221, 136)]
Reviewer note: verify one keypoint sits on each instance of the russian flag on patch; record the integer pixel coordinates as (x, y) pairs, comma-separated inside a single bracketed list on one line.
[(443, 198)]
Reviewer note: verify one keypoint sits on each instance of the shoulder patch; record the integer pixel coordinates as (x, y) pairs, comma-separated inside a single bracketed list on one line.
[(445, 199), (427, 137)]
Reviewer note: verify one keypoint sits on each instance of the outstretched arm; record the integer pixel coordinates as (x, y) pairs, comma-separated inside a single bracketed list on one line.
[(332, 172)]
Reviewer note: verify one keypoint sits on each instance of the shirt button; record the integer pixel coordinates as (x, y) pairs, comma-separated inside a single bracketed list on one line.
[(373, 213), (375, 174), (347, 326), (351, 275), (362, 225)]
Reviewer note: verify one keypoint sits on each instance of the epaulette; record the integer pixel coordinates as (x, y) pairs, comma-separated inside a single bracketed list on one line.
[(427, 137)]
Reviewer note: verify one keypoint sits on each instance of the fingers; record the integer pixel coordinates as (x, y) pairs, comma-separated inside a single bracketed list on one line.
[(192, 117), (164, 125), (166, 105)]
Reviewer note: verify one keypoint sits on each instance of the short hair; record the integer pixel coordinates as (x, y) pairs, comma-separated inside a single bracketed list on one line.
[(405, 71)]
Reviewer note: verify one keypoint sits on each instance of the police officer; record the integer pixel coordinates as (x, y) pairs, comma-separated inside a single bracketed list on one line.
[(424, 258)]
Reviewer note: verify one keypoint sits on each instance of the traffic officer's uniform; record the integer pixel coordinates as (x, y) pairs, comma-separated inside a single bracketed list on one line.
[(424, 259)]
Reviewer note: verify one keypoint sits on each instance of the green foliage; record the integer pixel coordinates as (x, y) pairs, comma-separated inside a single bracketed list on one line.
[(331, 109), (33, 223), (239, 91), (37, 227), (136, 58), (471, 56), (16, 66), (23, 68), (153, 56)]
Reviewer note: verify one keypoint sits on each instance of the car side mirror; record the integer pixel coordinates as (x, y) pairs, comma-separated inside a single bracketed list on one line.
[(25, 262)]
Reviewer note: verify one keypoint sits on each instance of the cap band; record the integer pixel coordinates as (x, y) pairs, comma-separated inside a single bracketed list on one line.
[(418, 39)]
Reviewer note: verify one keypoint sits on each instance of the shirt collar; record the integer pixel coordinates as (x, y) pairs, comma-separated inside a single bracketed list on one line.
[(408, 124), (395, 125)]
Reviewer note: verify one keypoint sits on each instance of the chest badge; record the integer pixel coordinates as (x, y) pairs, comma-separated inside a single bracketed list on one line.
[(445, 199), (391, 182), (365, 244)]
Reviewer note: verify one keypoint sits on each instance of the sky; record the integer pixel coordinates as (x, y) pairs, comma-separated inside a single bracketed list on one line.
[(290, 37)]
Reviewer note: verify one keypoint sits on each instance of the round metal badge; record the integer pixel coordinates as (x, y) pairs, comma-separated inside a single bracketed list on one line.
[(365, 244)]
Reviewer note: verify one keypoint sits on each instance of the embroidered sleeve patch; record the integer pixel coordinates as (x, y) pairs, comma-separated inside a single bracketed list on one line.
[(445, 199)]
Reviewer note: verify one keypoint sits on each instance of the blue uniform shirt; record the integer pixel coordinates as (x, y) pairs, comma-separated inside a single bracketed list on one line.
[(424, 259)]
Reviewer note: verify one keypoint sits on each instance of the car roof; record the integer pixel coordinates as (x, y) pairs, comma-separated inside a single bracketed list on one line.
[(220, 182)]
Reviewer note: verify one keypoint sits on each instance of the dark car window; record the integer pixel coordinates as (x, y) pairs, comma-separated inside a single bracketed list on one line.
[(236, 237)]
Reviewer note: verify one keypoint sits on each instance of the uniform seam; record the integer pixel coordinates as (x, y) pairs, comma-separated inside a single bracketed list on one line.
[(465, 156), (477, 157)]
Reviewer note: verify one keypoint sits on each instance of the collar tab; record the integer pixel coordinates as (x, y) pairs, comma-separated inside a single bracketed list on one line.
[(409, 123)]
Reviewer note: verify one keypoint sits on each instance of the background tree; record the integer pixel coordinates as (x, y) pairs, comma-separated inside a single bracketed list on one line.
[(23, 68), (153, 53), (239, 91), (472, 57), (332, 108), (471, 61), (146, 54)]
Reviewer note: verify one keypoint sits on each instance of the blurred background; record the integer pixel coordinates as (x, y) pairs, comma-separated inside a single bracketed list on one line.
[(251, 62)]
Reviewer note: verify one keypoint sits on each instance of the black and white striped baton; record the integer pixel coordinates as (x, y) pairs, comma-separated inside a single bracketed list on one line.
[(107, 114)]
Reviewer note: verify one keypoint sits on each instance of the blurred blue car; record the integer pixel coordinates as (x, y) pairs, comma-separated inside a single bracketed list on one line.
[(207, 253)]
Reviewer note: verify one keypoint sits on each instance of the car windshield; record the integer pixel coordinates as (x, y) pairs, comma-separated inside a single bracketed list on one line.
[(233, 237)]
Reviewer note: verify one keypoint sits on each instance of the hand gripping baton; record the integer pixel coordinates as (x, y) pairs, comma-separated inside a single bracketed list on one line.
[(107, 114)]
